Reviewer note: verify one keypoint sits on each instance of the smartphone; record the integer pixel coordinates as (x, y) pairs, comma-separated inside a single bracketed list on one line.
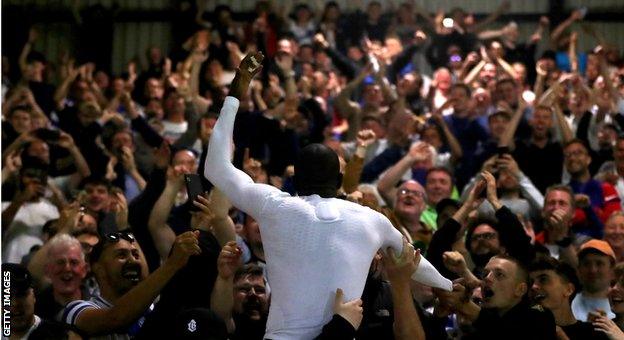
[(48, 135), (194, 188), (502, 150)]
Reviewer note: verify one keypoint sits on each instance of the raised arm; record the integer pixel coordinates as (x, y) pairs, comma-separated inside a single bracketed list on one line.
[(345, 106), (353, 169), (162, 235), (129, 307), (454, 146), (407, 324), (222, 300), (478, 27), (234, 183), (216, 207), (566, 132), (387, 184), (558, 31), (507, 139)]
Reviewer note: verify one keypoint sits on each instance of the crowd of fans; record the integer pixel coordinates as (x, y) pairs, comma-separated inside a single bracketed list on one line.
[(505, 167)]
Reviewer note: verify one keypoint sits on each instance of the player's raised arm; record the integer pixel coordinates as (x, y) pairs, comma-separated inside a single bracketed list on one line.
[(234, 183)]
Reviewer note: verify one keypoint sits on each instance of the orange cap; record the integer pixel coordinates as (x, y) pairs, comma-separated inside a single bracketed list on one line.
[(600, 246)]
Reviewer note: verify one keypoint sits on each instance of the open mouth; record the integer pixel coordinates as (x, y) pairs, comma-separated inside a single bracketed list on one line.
[(488, 293), (132, 273), (539, 298), (67, 278)]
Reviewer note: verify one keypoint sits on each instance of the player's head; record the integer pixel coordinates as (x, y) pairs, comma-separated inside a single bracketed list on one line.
[(317, 171)]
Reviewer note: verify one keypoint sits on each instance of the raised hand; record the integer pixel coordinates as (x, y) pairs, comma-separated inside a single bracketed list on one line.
[(401, 268), (607, 326), (248, 68), (127, 159), (162, 156), (351, 311), (185, 246), (557, 224), (229, 260), (365, 138), (455, 262)]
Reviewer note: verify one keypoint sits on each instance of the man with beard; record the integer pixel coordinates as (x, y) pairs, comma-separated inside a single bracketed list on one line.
[(127, 291), (314, 243), (65, 268), (505, 312), (553, 287), (251, 303), (506, 235)]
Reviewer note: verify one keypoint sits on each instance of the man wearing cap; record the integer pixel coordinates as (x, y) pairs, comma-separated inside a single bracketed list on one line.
[(24, 323), (596, 262), (314, 243)]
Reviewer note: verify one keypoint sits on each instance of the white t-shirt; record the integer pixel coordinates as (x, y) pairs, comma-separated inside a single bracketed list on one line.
[(173, 131), (312, 245), (582, 305), (25, 230)]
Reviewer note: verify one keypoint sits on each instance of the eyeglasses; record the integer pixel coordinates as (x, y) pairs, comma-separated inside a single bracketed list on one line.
[(405, 192), (484, 236), (115, 237)]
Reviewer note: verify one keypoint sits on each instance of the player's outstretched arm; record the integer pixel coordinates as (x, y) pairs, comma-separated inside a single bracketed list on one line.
[(234, 183)]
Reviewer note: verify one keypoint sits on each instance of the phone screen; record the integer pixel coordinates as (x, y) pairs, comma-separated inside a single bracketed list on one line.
[(194, 188)]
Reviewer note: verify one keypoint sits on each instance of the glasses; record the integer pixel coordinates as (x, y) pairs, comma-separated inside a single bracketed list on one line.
[(484, 236), (405, 192), (122, 235)]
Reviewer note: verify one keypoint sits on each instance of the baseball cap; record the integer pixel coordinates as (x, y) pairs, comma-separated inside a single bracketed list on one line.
[(20, 278), (446, 202), (597, 245)]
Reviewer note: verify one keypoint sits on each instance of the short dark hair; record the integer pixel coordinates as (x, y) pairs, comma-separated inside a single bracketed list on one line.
[(440, 169), (96, 180), (576, 141), (317, 171), (561, 187), (250, 269), (566, 272), (472, 226), (523, 272)]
